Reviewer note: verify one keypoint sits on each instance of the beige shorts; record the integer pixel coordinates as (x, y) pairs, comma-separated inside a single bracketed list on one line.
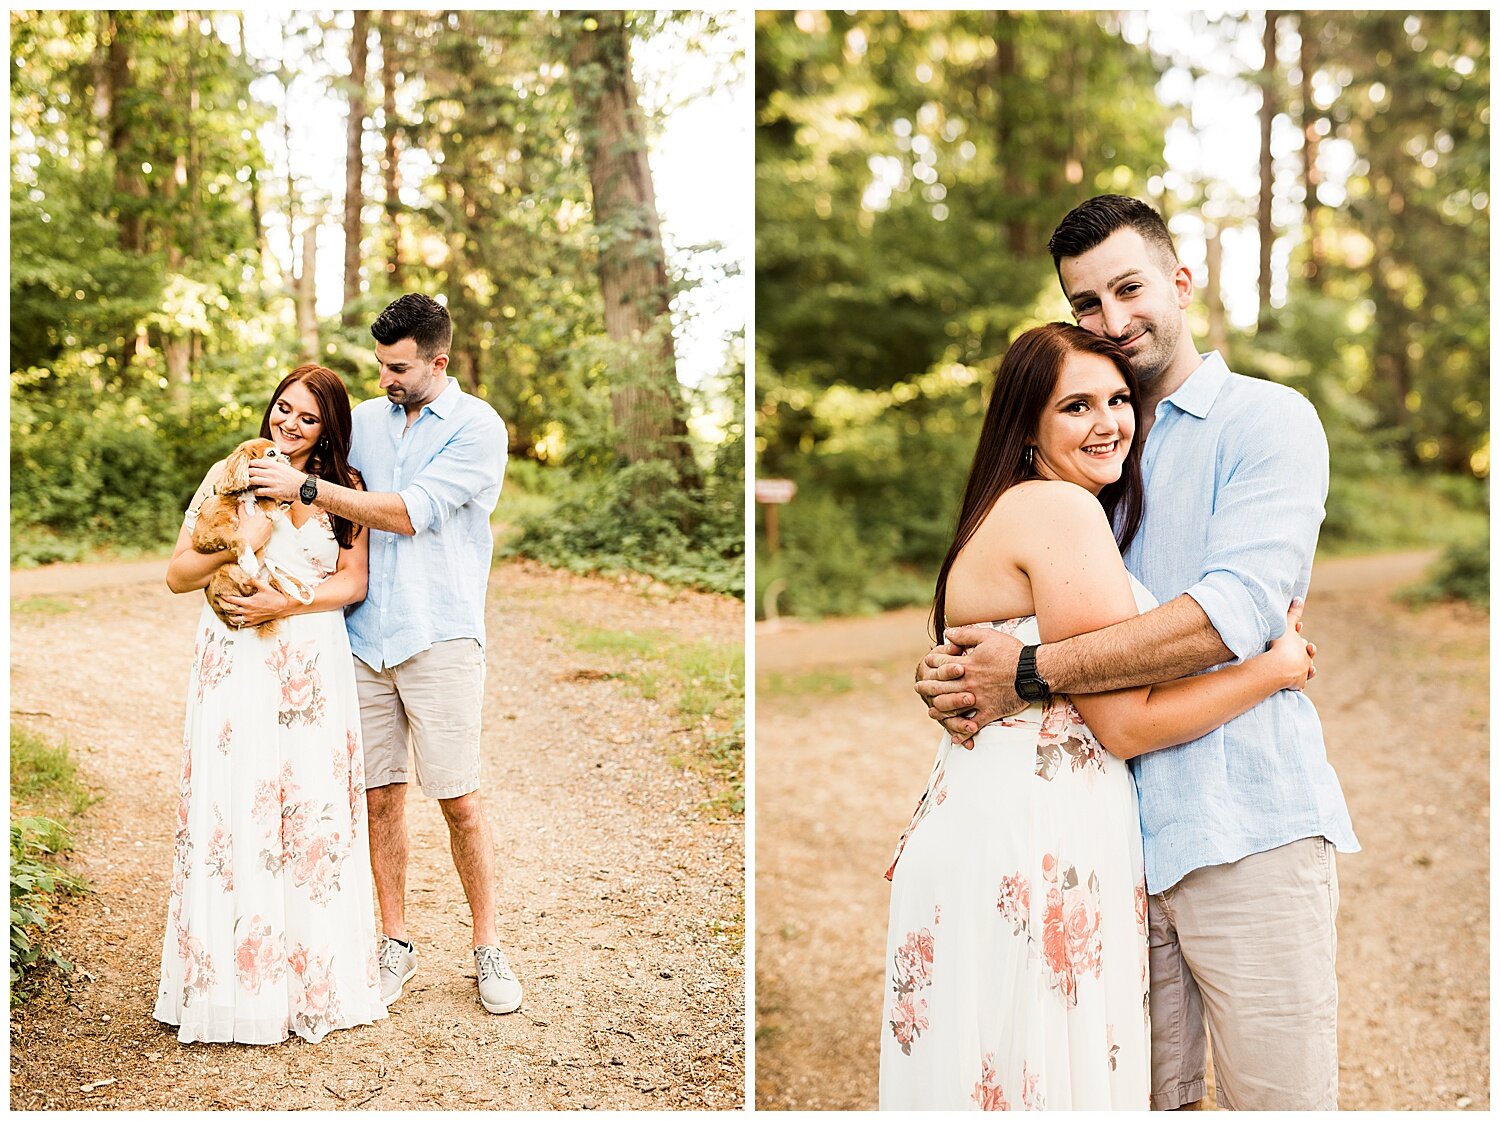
[(1247, 949), (431, 701)]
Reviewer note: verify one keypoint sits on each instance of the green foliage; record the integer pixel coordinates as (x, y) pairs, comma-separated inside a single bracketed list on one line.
[(1461, 573), (635, 519), (41, 776)]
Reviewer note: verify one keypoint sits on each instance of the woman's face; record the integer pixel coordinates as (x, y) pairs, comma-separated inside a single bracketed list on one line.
[(1087, 424), (295, 421)]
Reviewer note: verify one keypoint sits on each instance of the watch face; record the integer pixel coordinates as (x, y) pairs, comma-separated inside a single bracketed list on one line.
[(1031, 689)]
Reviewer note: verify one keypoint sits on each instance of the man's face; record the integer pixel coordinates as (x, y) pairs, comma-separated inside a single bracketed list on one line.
[(405, 376), (1118, 289)]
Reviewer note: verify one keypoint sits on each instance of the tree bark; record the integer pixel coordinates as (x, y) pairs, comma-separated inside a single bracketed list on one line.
[(390, 165), (128, 185), (354, 196), (646, 402), (1218, 326), (1307, 26), (1267, 178), (307, 283)]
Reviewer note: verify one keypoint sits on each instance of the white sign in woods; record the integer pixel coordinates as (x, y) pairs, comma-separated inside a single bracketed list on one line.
[(774, 492)]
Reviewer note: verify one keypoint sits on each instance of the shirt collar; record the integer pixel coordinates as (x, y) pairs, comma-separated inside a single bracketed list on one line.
[(1198, 393), (441, 405)]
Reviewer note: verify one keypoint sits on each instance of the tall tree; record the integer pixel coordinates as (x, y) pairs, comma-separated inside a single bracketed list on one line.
[(647, 405), (1268, 84), (354, 194), (390, 164)]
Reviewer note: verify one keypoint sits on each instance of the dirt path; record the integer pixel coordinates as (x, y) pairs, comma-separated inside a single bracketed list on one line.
[(843, 750), (621, 898)]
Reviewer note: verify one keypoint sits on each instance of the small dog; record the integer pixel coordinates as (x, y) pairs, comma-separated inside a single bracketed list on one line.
[(218, 528)]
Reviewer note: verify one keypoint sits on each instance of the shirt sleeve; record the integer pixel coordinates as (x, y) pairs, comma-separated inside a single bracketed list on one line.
[(470, 463), (1268, 505)]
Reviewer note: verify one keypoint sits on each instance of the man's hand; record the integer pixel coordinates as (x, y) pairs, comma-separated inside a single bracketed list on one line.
[(970, 681), (263, 605), (271, 478)]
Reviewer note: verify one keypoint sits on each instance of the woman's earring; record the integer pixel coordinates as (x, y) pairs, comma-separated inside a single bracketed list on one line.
[(1028, 457)]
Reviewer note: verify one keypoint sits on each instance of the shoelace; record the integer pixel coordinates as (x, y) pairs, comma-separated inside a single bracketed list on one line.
[(390, 955), (492, 961)]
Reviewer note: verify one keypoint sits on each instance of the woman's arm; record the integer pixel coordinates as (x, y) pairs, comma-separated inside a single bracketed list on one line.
[(1079, 584), (190, 570)]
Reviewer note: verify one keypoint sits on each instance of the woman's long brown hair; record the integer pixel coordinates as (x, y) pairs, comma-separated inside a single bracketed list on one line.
[(1026, 380), (330, 456)]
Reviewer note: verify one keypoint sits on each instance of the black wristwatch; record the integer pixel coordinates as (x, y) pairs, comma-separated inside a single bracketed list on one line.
[(309, 491), (1030, 685)]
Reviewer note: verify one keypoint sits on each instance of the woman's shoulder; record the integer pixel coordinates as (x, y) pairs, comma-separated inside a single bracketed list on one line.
[(1054, 498)]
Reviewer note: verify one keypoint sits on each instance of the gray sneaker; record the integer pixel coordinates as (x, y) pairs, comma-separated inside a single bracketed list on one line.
[(499, 991), (397, 964)]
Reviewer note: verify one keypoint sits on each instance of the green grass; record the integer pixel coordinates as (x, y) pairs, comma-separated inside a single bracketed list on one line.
[(46, 605), (1386, 513), (704, 680), (43, 776), (43, 781), (1462, 573), (813, 683)]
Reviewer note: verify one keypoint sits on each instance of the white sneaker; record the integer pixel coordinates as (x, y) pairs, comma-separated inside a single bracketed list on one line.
[(398, 963), (499, 991)]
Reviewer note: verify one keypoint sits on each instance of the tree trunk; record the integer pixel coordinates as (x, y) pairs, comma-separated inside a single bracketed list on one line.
[(1307, 26), (646, 402), (354, 196), (1003, 35), (1218, 326), (128, 185), (307, 284), (1267, 179), (390, 164)]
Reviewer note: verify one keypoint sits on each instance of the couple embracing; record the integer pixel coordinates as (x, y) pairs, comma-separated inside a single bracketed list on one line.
[(307, 712), (1066, 927)]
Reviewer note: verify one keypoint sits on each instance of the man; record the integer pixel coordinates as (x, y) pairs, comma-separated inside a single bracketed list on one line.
[(1239, 826), (432, 459)]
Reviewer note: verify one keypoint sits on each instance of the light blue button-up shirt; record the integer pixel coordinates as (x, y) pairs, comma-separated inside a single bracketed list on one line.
[(1236, 473), (447, 467)]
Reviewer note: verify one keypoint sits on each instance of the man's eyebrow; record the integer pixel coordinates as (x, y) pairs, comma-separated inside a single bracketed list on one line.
[(1110, 283)]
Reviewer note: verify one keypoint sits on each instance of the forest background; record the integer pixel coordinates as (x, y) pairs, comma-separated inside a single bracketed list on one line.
[(165, 265), (912, 165)]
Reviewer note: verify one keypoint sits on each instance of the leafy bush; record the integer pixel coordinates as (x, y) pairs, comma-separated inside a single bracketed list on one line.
[(34, 879), (1461, 573)]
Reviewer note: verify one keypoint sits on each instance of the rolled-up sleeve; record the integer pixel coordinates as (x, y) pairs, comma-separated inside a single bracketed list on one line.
[(469, 464), (1264, 526)]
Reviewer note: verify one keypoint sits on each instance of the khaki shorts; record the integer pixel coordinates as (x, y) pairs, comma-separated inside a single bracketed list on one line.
[(431, 701), (1247, 949)]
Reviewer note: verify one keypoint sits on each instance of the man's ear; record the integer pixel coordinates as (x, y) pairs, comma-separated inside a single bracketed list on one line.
[(1182, 282), (440, 363)]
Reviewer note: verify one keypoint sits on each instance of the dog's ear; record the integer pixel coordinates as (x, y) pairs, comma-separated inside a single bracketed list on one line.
[(236, 477)]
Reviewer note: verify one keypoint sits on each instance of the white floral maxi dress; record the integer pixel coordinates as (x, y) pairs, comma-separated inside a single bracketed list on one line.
[(270, 928), (1016, 962)]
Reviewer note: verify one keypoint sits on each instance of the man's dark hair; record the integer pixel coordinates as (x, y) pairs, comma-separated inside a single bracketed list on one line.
[(1089, 223), (419, 318)]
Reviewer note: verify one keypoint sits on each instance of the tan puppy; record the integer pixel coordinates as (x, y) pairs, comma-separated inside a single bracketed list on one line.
[(218, 528)]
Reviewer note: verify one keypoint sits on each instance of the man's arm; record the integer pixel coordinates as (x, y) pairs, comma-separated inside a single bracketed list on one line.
[(383, 510), (1172, 641)]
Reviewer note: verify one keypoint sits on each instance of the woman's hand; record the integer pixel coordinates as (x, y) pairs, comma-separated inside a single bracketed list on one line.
[(265, 604), (1290, 657), (257, 530)]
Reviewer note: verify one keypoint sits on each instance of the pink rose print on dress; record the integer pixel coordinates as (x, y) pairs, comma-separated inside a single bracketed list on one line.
[(1064, 733), (258, 956), (1014, 902), (934, 796), (197, 966), (1031, 1090), (1114, 1048), (913, 961), (220, 859), (226, 736), (987, 1091), (214, 663), (1140, 907), (316, 1006), (1072, 944), (302, 699)]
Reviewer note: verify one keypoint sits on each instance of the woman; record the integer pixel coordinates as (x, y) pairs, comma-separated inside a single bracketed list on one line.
[(270, 929), (1016, 954)]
